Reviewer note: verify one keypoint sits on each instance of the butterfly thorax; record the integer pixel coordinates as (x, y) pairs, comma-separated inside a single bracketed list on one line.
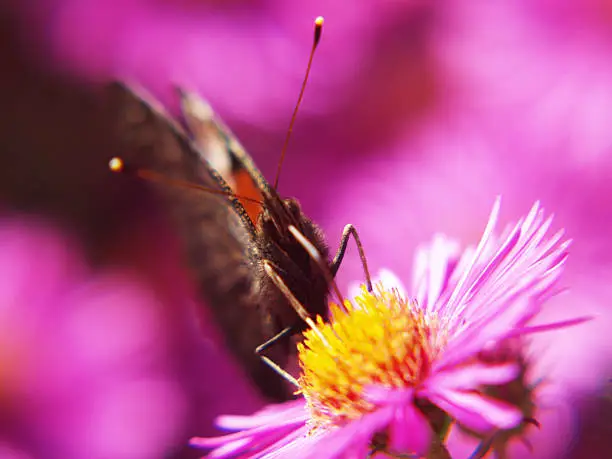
[(299, 271)]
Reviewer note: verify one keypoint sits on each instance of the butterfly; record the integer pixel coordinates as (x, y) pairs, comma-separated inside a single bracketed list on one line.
[(262, 266)]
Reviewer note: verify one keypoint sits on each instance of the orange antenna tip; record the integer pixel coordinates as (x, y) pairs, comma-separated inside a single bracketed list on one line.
[(116, 164), (318, 23)]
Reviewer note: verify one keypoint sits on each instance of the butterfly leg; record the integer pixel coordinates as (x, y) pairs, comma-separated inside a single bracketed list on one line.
[(275, 339), (287, 332), (280, 284), (349, 230), (299, 309)]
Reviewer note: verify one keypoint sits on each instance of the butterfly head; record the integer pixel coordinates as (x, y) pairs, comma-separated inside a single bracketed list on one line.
[(298, 270)]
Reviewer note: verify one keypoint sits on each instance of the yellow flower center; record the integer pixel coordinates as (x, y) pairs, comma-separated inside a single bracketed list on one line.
[(380, 338)]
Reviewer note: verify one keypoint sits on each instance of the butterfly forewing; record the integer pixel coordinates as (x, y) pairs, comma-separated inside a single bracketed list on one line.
[(218, 238), (272, 237), (223, 151)]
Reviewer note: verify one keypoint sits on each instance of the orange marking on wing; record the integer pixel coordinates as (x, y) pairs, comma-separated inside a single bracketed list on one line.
[(247, 188)]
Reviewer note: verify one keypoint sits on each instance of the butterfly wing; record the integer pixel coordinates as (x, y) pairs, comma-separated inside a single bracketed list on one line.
[(224, 152), (207, 134), (216, 233), (295, 266)]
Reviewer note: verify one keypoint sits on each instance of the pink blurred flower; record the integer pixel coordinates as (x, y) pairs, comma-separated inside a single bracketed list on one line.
[(248, 57), (538, 71), (462, 304), (84, 363)]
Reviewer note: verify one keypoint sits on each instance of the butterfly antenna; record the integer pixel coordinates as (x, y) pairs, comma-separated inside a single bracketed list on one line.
[(117, 165), (318, 29)]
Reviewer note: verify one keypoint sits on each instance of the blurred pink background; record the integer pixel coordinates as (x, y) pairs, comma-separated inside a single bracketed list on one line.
[(416, 116)]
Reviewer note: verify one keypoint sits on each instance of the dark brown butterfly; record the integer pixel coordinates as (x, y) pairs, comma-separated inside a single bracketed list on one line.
[(261, 273)]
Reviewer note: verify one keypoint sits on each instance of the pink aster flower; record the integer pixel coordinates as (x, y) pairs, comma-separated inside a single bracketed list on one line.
[(389, 371)]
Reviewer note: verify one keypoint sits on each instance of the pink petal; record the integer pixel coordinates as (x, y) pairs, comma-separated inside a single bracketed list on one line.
[(475, 411), (354, 435), (550, 326), (391, 281), (229, 449), (265, 431), (281, 414), (496, 326), (296, 439), (487, 234), (432, 269), (472, 376), (410, 431), (496, 260)]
